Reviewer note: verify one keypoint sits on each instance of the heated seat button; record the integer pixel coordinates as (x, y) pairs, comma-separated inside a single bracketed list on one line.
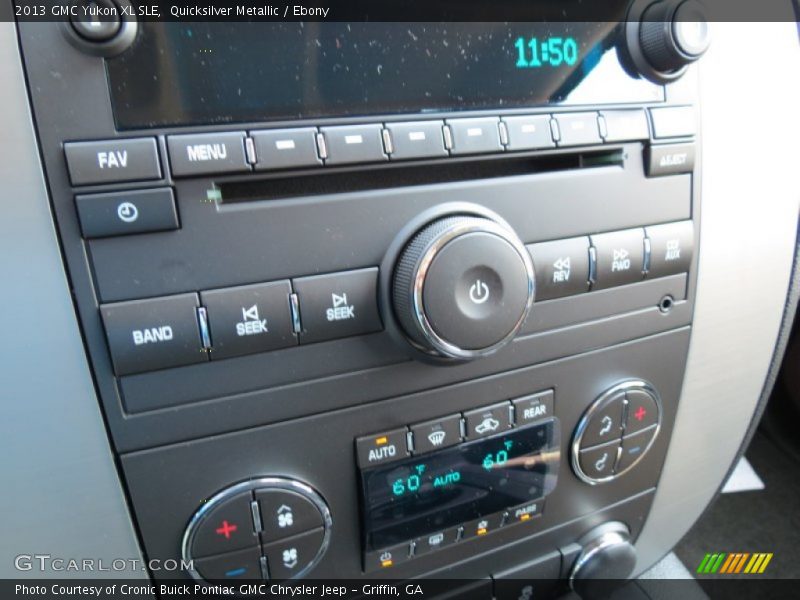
[(111, 161), (204, 153), (433, 435), (288, 557), (248, 319), (473, 136), (227, 526), (561, 267), (353, 144), (634, 447), (284, 514), (144, 335), (605, 422), (482, 526), (671, 247), (338, 305), (598, 463), (620, 258), (286, 148), (488, 420), (241, 565), (372, 450), (642, 411), (119, 213)]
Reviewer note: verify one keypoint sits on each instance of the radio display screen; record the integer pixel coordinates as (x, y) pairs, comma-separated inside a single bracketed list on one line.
[(214, 72), (447, 488)]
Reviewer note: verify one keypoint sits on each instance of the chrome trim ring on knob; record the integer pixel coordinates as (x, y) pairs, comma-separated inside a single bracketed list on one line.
[(270, 483), (457, 229), (625, 386)]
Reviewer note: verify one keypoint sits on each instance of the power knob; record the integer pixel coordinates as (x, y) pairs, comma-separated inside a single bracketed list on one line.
[(665, 37), (462, 287), (605, 563)]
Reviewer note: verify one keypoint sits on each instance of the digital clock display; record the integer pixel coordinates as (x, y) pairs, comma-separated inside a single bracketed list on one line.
[(427, 493), (552, 51)]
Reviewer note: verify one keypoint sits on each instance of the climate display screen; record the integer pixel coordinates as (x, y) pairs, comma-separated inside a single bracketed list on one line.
[(443, 489), (196, 73)]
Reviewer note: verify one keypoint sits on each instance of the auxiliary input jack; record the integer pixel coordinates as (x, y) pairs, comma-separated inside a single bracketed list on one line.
[(666, 304)]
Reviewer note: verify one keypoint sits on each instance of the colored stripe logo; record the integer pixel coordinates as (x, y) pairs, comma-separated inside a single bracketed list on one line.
[(734, 563)]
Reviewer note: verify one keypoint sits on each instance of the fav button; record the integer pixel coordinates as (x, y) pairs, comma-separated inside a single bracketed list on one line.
[(284, 514), (488, 420), (338, 305), (111, 161), (642, 411), (605, 422), (204, 153), (598, 462), (249, 319), (561, 267), (227, 526), (144, 335), (380, 448), (119, 213), (620, 258), (242, 565), (286, 558), (433, 435)]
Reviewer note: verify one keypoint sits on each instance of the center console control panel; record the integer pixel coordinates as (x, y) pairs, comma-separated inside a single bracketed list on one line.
[(383, 341)]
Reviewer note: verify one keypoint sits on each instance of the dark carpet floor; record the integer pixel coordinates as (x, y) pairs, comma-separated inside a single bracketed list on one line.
[(758, 521)]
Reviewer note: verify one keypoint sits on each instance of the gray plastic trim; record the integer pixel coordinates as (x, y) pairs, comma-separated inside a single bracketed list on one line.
[(56, 462), (751, 197)]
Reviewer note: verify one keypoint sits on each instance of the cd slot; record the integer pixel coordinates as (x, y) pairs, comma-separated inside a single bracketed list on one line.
[(317, 183)]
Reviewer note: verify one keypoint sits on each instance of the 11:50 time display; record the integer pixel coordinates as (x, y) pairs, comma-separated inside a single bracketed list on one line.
[(552, 51)]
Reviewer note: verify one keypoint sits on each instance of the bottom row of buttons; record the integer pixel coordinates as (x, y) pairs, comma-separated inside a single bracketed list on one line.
[(400, 553)]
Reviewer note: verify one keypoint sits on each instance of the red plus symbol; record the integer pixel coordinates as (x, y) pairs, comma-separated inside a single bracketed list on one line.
[(227, 529), (640, 413)]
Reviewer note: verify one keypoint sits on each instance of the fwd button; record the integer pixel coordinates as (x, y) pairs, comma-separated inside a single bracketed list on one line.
[(144, 335)]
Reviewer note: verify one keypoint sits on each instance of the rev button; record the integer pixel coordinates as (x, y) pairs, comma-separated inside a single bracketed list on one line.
[(144, 335), (381, 448)]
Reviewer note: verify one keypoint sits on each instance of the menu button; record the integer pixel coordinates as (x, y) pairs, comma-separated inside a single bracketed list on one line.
[(207, 153)]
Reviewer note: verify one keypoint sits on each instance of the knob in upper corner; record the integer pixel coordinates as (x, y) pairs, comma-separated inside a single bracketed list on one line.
[(673, 34), (462, 287)]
